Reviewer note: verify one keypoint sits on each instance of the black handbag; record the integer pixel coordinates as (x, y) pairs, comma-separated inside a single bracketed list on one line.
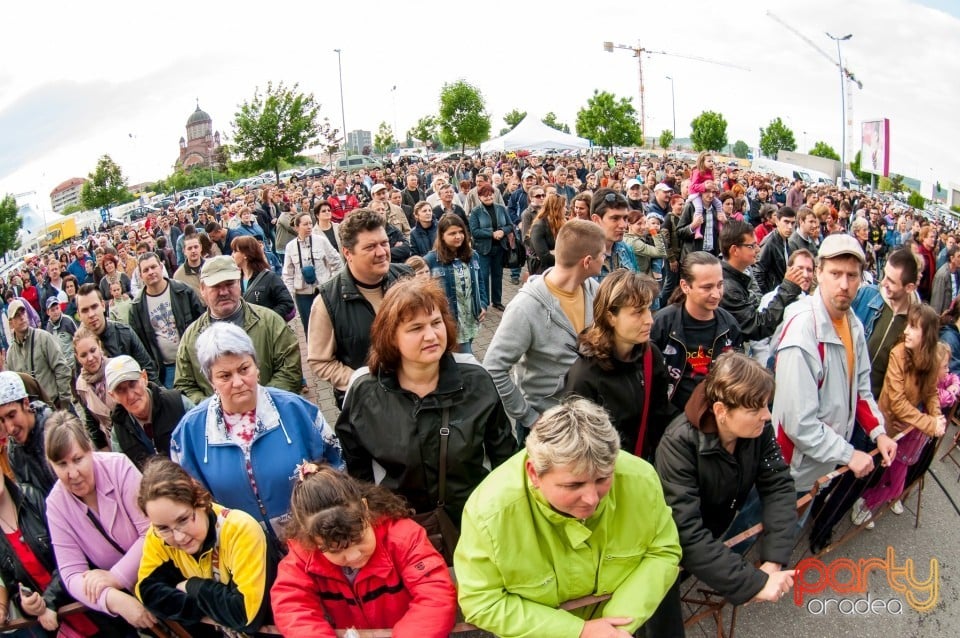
[(516, 253), (441, 531)]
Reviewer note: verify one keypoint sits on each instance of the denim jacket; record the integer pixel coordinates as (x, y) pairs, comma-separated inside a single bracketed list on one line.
[(445, 271)]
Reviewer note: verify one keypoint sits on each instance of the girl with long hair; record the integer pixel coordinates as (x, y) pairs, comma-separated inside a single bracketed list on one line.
[(454, 261), (543, 233), (354, 541), (909, 399), (260, 285)]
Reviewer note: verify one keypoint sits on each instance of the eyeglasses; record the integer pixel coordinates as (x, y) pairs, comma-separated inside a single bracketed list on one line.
[(179, 526), (610, 198), (540, 196), (752, 246)]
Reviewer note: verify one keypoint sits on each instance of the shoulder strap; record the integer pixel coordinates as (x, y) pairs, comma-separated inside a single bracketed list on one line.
[(96, 523), (444, 440), (647, 391)]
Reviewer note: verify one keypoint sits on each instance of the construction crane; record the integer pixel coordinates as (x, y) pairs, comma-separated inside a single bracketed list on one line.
[(849, 78), (637, 53)]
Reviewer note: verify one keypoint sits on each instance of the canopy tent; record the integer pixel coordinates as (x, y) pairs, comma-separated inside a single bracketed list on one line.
[(531, 134)]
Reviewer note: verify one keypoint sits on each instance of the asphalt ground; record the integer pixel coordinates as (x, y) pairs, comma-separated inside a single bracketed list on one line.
[(880, 610)]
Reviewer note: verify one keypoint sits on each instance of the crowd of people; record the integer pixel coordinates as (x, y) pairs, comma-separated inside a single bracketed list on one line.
[(644, 399)]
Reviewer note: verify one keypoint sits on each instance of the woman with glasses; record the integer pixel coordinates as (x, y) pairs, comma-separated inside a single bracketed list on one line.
[(200, 559), (96, 527)]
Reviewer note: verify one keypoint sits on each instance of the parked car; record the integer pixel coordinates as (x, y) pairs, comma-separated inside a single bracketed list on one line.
[(353, 163), (141, 211), (314, 172)]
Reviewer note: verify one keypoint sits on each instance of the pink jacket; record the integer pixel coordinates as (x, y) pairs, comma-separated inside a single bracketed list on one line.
[(698, 179), (77, 542)]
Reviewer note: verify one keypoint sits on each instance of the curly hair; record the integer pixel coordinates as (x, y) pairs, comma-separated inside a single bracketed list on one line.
[(162, 478), (329, 510)]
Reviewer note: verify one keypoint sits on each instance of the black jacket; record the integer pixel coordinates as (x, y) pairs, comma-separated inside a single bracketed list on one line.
[(668, 335), (382, 422), (32, 518), (352, 315), (266, 289), (688, 240), (167, 410), (185, 305), (119, 339), (400, 250), (422, 239), (620, 391), (28, 461), (704, 485), (741, 298), (771, 265)]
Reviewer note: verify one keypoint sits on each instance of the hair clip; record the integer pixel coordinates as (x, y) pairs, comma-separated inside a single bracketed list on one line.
[(305, 469)]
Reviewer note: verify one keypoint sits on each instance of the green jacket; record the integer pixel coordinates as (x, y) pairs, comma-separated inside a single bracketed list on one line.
[(278, 353), (39, 355), (518, 560)]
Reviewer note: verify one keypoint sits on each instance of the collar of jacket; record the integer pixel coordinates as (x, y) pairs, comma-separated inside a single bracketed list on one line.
[(348, 284), (448, 385), (743, 277), (268, 418), (699, 412), (577, 532)]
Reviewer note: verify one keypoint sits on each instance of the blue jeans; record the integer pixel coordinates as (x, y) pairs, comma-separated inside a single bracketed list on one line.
[(169, 372), (491, 274), (670, 281), (465, 348), (304, 304)]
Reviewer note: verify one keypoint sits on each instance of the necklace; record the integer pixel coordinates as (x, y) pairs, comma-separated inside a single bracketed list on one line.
[(14, 528)]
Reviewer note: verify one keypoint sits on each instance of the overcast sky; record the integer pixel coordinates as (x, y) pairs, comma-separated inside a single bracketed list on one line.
[(83, 79)]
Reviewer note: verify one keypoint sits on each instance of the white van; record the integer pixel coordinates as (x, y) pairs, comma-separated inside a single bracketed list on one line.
[(782, 169), (353, 163)]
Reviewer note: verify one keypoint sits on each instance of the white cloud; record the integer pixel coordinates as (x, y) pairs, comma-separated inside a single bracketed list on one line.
[(89, 74)]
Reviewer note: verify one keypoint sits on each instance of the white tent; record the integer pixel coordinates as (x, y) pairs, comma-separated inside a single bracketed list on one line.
[(531, 134)]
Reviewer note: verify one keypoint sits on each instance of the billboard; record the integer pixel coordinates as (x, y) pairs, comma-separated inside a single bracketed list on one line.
[(875, 147)]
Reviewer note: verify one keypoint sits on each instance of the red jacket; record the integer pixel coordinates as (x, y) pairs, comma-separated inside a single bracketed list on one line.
[(338, 209), (404, 586)]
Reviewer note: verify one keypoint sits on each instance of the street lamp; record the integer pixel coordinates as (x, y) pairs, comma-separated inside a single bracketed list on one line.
[(396, 131), (343, 113), (673, 102), (843, 107)]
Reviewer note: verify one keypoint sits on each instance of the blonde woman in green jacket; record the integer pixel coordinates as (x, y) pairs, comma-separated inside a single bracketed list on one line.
[(571, 516)]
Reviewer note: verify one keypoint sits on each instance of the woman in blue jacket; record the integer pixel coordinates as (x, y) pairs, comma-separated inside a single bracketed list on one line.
[(244, 443), (423, 235), (454, 260), (490, 226)]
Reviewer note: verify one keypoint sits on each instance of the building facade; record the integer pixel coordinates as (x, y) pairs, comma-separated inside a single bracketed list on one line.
[(66, 194), (200, 146), (357, 141)]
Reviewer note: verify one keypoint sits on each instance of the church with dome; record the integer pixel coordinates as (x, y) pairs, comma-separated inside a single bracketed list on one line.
[(200, 146)]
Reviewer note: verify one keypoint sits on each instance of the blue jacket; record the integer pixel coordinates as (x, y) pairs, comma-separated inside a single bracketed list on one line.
[(951, 336), (621, 256), (290, 430), (480, 302), (422, 239), (867, 305), (481, 228)]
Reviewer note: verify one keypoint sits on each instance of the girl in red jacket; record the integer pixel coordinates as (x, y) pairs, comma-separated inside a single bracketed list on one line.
[(356, 560)]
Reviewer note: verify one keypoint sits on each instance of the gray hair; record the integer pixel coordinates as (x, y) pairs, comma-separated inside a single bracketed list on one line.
[(219, 340), (578, 433), (858, 224)]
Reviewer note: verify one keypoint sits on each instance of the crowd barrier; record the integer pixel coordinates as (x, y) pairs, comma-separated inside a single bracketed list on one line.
[(700, 602)]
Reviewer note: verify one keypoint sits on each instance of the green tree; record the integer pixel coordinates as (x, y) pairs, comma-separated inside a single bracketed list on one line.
[(71, 209), (740, 149), (666, 138), (107, 186), (425, 130), (775, 137), (10, 222), (383, 140), (463, 119), (609, 121), (822, 149), (550, 119), (896, 183), (708, 132), (275, 126), (862, 176), (916, 200), (512, 118), (884, 185)]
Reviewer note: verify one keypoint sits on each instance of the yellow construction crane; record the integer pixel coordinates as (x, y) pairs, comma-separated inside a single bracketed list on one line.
[(637, 53)]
